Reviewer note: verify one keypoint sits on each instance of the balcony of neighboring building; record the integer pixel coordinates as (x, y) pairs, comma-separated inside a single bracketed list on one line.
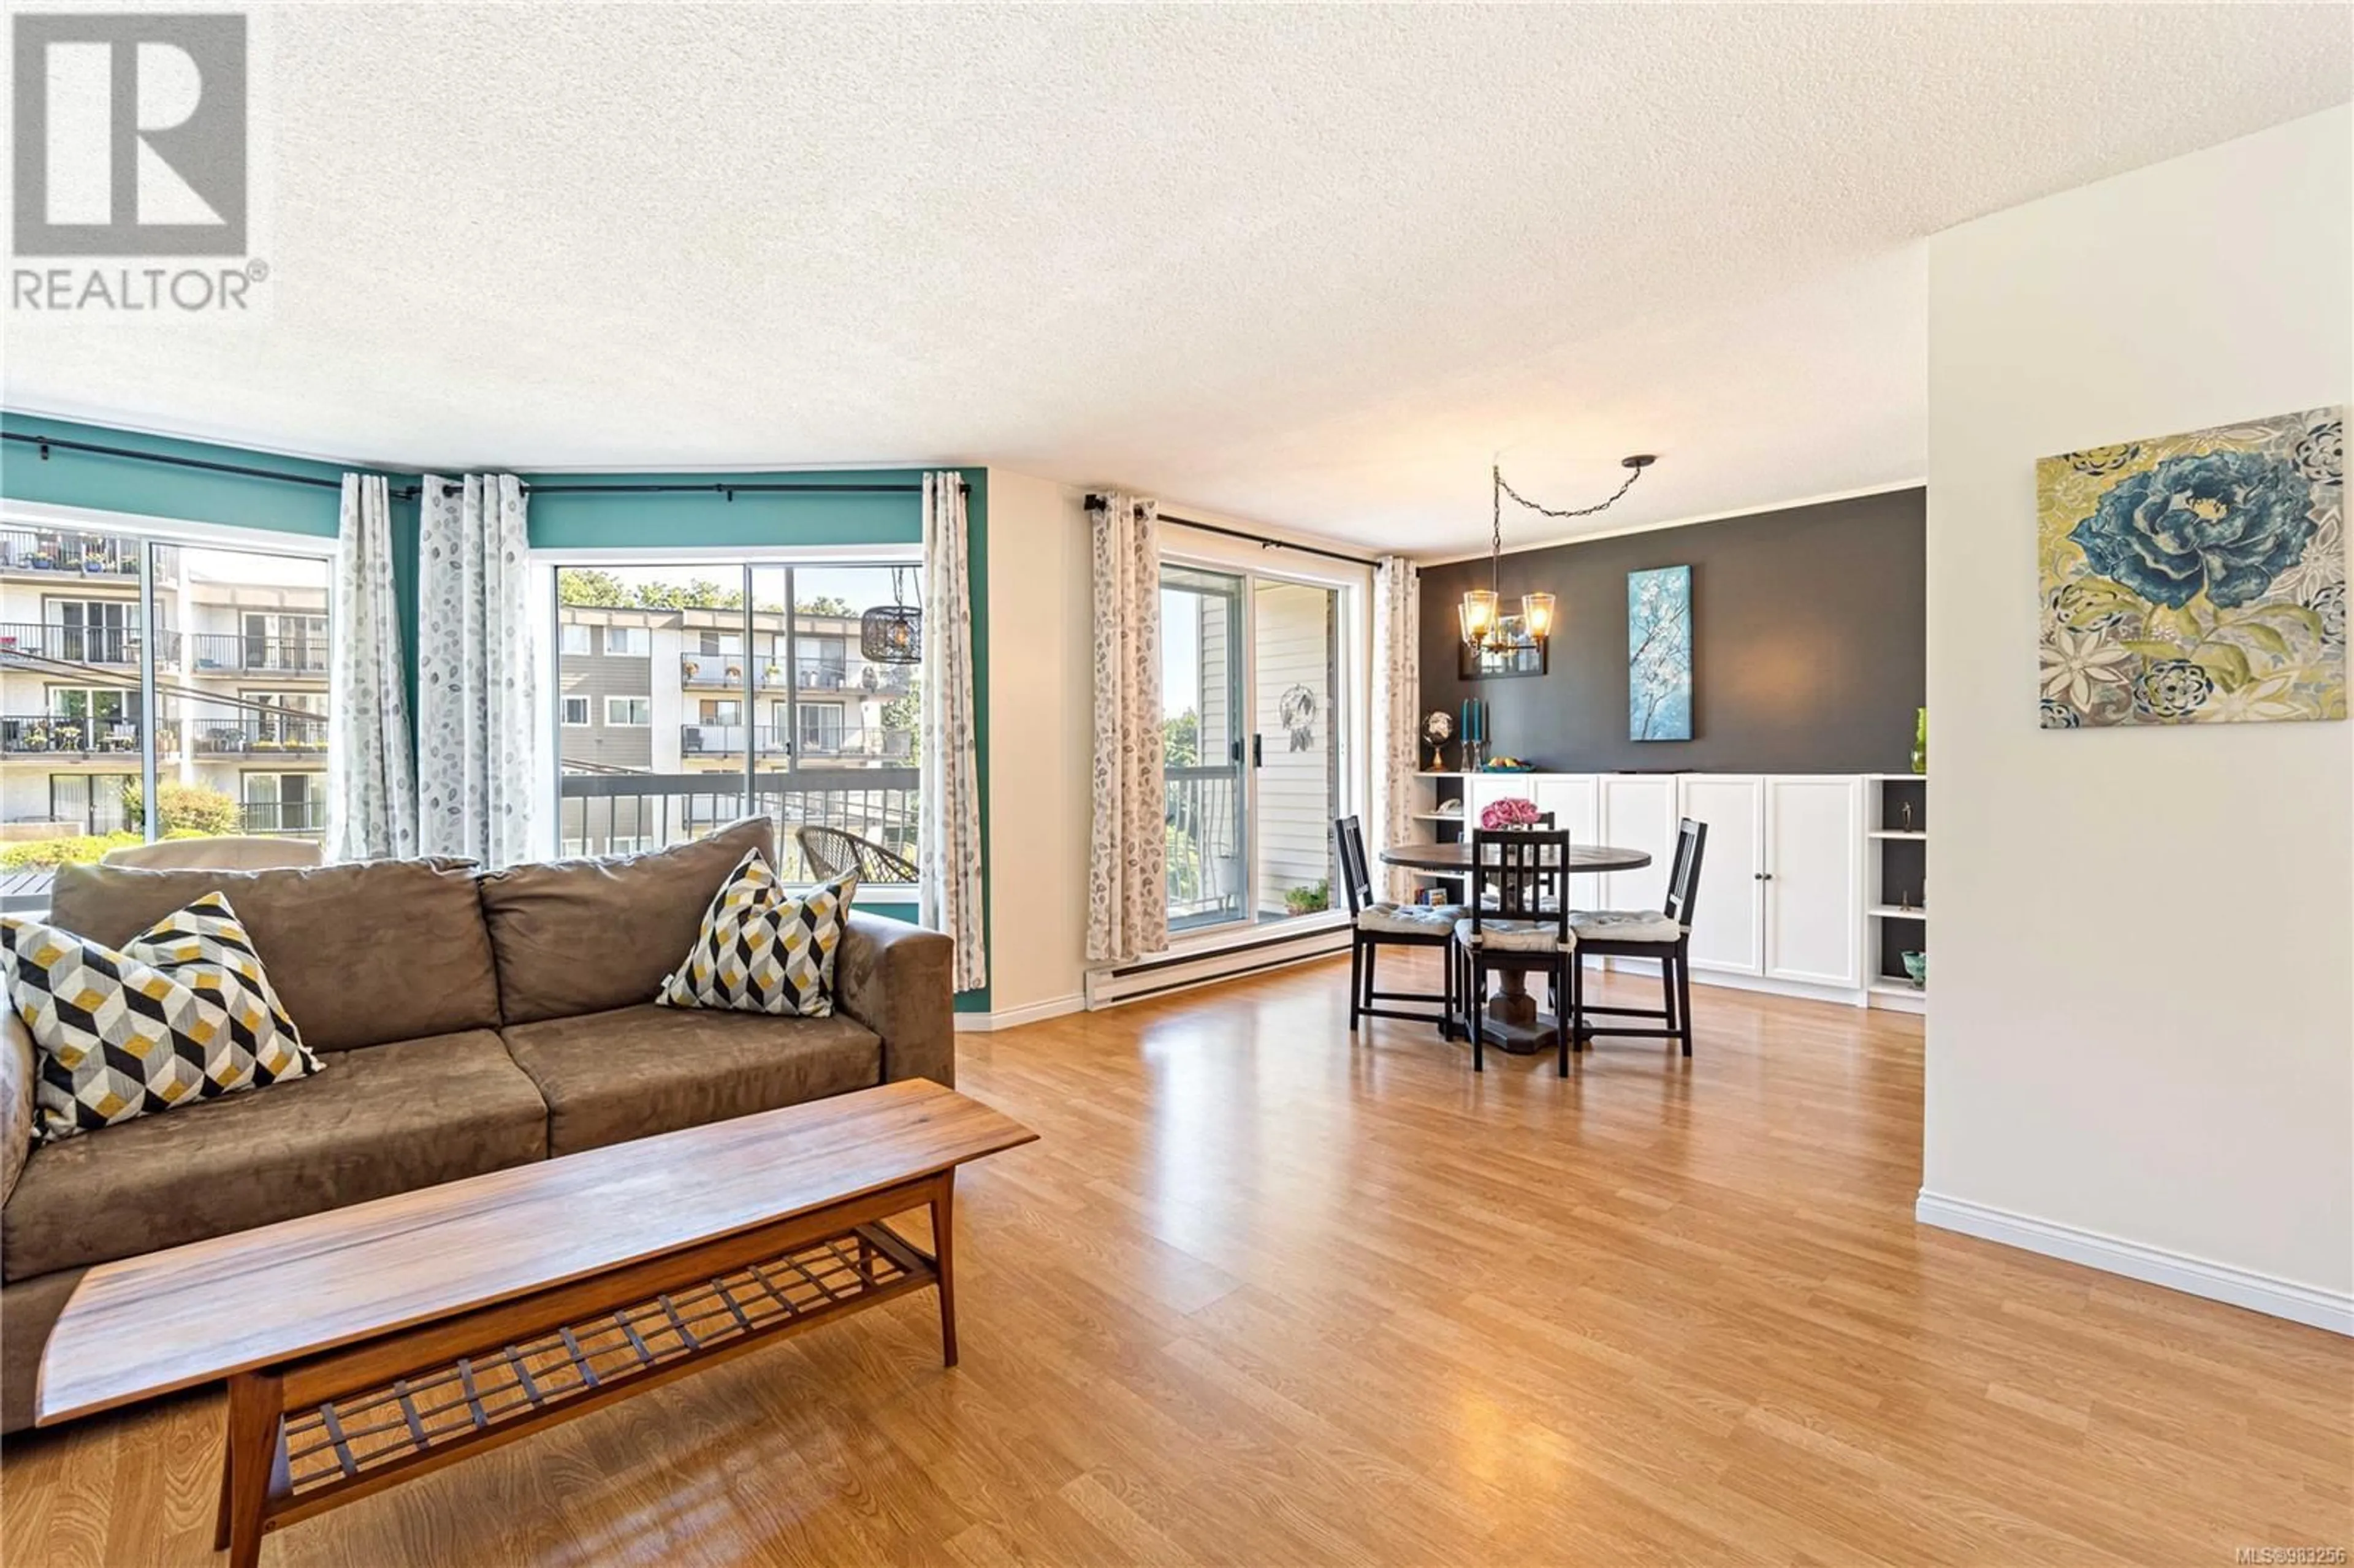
[(54, 554)]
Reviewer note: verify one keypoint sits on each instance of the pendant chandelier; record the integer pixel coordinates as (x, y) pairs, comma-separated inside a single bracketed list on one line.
[(1480, 612)]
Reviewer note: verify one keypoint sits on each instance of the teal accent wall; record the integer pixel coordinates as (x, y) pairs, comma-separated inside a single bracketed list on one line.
[(685, 520)]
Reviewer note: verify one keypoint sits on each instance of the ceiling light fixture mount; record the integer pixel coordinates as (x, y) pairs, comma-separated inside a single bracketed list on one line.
[(1480, 612)]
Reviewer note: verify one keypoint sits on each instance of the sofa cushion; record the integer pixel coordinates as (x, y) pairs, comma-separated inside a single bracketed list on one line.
[(181, 1014), (376, 1122), (635, 1071), (360, 953), (763, 948), (589, 936)]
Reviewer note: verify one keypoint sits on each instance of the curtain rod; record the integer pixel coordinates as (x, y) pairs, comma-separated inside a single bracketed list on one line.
[(1097, 502), (409, 492)]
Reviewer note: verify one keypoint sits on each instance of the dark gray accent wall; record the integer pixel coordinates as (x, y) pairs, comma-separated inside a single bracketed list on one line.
[(1809, 643)]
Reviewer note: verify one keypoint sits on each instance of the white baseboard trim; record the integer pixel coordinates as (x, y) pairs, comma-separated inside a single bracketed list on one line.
[(1014, 1017), (1800, 991), (1183, 971), (2154, 1266)]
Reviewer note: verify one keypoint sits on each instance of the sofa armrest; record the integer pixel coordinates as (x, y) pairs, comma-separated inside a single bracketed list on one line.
[(895, 978), (16, 1100)]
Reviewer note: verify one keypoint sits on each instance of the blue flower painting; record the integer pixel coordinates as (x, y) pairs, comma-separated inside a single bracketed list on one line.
[(2197, 579), (1659, 654)]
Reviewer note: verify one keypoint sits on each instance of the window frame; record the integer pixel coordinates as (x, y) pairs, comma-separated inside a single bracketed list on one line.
[(613, 723), (588, 710), (637, 641), (142, 536), (750, 561), (588, 649)]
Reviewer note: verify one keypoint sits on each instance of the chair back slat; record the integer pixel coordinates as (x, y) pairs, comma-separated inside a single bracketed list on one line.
[(1357, 876), (1683, 873), (1525, 868)]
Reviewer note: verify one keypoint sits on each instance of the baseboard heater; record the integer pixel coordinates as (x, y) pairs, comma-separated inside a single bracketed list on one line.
[(1175, 971)]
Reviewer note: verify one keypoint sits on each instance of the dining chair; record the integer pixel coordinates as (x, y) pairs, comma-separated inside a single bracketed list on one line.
[(1519, 923), (1374, 924), (1663, 934)]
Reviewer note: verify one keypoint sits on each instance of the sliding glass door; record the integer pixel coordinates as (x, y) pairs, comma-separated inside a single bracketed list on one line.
[(1251, 700), (1202, 740)]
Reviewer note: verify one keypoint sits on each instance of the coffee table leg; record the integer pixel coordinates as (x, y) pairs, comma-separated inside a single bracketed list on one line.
[(943, 1244), (247, 1458)]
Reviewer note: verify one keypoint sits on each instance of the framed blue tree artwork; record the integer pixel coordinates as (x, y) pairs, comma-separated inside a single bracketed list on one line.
[(1659, 654)]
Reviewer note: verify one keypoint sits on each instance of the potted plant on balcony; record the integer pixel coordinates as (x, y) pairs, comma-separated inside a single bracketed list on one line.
[(735, 671), (34, 737), (771, 670), (692, 669), (1309, 899)]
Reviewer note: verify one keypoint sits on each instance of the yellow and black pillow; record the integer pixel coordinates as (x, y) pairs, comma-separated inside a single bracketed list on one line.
[(763, 948), (180, 1013)]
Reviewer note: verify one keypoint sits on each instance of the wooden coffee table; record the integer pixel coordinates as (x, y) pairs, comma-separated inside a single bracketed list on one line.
[(368, 1344)]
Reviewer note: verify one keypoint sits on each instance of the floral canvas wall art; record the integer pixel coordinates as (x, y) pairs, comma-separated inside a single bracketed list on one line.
[(1659, 654), (2197, 579)]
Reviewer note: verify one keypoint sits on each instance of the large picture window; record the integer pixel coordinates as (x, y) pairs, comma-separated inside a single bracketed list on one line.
[(94, 710), (726, 689)]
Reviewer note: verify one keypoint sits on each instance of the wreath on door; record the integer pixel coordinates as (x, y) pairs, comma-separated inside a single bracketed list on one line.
[(1296, 711)]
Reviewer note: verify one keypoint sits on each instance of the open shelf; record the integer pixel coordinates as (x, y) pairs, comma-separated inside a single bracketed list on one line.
[(1891, 912), (1898, 834)]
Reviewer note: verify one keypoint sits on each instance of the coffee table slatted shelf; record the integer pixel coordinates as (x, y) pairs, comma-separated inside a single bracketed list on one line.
[(375, 1433)]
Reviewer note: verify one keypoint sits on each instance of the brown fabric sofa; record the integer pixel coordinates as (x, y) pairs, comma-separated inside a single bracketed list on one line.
[(469, 1021)]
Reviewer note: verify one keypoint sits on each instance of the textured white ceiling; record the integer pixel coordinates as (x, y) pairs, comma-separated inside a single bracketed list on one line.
[(1307, 266)]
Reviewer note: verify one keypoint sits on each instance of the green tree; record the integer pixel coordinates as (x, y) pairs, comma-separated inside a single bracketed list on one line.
[(700, 594), (1181, 740), (586, 585), (187, 809), (826, 604)]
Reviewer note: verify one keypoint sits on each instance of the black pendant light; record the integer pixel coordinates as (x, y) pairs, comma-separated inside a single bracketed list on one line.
[(893, 633), (1480, 615)]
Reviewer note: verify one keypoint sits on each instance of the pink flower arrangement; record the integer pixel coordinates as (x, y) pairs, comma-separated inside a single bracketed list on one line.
[(1513, 813)]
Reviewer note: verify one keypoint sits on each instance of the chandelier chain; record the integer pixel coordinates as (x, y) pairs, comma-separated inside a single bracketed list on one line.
[(1505, 488)]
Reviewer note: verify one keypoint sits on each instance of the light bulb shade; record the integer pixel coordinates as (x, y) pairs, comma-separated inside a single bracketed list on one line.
[(1536, 615), (1477, 614)]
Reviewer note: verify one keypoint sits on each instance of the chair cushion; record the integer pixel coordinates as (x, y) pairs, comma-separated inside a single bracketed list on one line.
[(1624, 925), (636, 1071), (763, 949), (1513, 936), (589, 936), (1410, 920), (388, 1119), (360, 953), (181, 1014)]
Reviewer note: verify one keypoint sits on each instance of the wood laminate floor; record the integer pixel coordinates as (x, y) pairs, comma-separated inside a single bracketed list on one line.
[(1262, 1294)]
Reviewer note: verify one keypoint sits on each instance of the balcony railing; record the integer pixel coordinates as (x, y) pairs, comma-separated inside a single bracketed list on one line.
[(289, 818), (263, 735), (620, 813), (230, 652), (725, 671), (115, 646), (70, 554), (728, 739), (1207, 881), (35, 734)]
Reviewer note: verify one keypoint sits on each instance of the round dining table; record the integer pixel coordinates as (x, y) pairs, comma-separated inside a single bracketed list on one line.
[(1509, 1019)]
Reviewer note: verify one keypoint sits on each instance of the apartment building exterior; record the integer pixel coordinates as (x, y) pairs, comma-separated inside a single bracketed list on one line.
[(240, 703), (668, 718)]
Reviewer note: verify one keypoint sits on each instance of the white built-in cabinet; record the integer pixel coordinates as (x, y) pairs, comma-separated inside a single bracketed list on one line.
[(1782, 901)]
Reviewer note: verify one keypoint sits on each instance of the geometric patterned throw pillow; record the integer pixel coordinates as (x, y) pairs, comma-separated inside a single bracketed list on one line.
[(182, 1013), (764, 950)]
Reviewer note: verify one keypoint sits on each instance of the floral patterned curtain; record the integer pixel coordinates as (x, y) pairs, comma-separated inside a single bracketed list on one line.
[(476, 732), (1128, 878), (371, 773), (949, 878), (1398, 692)]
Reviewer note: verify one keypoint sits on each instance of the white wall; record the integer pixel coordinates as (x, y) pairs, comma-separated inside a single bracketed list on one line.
[(2141, 1037), (1041, 708)]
